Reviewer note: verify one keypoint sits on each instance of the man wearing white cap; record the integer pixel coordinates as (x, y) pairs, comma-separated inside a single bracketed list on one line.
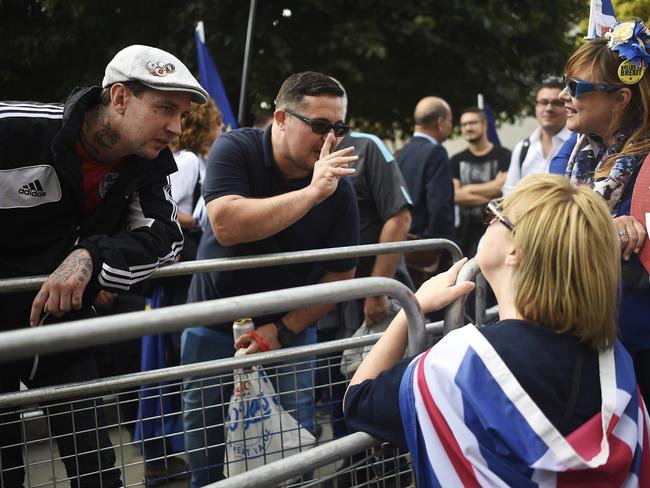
[(86, 200)]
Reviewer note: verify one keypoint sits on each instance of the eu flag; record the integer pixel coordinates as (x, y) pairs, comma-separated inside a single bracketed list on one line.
[(211, 81), (493, 137)]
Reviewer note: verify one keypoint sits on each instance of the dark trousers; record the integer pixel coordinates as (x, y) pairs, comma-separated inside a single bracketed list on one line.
[(78, 426)]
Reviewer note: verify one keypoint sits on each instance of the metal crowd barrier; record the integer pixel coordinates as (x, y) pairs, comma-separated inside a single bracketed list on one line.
[(21, 343), (211, 370), (290, 467), (267, 260), (453, 315), (16, 344), (293, 466), (117, 383)]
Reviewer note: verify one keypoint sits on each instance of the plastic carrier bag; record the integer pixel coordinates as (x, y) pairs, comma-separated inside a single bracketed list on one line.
[(257, 428)]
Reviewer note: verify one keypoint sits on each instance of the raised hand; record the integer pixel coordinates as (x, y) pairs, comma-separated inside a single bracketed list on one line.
[(330, 167)]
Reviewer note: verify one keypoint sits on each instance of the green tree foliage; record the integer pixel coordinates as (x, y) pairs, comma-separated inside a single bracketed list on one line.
[(629, 9), (624, 10), (388, 54)]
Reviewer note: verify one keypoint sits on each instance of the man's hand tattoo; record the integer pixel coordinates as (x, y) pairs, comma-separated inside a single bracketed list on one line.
[(77, 262)]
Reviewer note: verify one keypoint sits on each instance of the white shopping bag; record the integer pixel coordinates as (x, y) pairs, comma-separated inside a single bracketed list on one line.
[(257, 429)]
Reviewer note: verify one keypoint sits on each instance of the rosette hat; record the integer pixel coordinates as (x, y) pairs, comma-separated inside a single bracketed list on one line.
[(154, 68)]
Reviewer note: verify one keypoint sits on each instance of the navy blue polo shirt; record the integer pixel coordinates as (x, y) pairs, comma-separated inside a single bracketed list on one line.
[(241, 163)]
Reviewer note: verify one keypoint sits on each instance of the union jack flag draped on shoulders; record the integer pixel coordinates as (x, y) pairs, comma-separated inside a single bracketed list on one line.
[(468, 422)]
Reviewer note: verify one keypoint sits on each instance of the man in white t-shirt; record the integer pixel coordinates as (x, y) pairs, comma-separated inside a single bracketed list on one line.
[(533, 154)]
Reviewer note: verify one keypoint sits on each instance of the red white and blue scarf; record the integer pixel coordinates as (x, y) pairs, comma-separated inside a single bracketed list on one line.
[(468, 422)]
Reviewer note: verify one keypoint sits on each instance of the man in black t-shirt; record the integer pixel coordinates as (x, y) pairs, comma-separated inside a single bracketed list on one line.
[(479, 173)]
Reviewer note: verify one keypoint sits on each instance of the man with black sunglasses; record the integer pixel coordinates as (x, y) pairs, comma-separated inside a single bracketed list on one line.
[(268, 191), (533, 154)]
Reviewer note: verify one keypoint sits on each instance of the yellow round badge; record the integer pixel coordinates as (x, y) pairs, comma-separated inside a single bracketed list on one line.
[(629, 73)]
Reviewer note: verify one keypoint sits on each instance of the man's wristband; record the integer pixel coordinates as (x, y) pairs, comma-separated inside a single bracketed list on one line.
[(285, 335), (264, 347)]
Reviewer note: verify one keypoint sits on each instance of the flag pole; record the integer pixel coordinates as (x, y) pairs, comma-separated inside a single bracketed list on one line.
[(247, 57)]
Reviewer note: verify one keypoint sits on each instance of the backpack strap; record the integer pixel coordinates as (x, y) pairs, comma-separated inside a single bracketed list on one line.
[(524, 151), (196, 192)]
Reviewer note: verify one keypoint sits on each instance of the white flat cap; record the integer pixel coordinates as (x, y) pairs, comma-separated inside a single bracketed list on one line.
[(154, 68)]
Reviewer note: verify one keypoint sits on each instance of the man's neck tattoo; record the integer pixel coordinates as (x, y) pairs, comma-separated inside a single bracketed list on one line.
[(98, 134)]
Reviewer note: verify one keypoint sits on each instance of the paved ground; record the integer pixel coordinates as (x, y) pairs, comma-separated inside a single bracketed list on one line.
[(45, 474), (128, 456)]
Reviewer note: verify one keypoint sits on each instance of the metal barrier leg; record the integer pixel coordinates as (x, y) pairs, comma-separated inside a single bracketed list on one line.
[(480, 297), (454, 312)]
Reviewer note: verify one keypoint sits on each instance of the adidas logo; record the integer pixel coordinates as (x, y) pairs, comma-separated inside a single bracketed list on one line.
[(33, 189)]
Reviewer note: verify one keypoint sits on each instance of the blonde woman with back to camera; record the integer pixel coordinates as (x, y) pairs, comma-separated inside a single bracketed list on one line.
[(546, 396)]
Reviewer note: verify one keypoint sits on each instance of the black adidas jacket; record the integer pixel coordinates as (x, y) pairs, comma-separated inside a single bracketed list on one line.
[(131, 232)]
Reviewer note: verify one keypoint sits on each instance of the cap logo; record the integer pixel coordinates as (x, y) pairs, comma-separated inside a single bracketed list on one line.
[(159, 68)]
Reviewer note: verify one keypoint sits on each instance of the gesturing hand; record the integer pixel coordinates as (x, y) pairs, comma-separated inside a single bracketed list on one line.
[(63, 290), (330, 167), (441, 290)]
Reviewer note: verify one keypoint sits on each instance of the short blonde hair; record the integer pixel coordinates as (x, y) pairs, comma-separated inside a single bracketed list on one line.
[(569, 271)]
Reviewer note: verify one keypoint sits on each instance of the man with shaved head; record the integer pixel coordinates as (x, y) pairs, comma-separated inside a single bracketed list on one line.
[(425, 166)]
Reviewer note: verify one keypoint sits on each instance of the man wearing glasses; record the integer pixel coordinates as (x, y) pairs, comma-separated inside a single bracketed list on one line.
[(533, 154), (268, 191)]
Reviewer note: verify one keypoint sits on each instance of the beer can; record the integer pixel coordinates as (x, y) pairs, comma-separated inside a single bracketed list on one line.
[(241, 327)]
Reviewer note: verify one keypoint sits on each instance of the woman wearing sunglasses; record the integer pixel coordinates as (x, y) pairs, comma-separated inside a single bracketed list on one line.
[(607, 97), (546, 395)]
